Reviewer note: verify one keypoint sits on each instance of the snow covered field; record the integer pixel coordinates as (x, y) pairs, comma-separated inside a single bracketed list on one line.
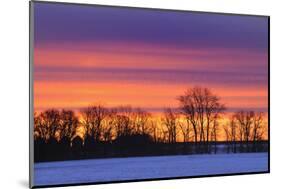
[(98, 170)]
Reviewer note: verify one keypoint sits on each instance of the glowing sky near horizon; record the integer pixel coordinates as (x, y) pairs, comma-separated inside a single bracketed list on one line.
[(146, 58)]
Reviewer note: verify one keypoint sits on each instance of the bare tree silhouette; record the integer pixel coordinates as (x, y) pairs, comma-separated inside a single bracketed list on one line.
[(231, 133), (186, 131), (258, 129), (50, 121), (68, 124), (140, 119), (108, 126), (170, 122), (155, 131), (249, 126), (202, 109), (93, 117)]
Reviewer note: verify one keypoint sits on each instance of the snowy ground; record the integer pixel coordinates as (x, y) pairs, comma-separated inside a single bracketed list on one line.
[(99, 170)]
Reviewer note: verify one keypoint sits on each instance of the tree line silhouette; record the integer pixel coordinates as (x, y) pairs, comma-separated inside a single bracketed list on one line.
[(194, 127)]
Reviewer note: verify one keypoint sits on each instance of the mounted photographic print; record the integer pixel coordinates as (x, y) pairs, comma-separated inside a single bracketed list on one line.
[(122, 94)]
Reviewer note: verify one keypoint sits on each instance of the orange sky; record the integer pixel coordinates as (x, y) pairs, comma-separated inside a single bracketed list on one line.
[(75, 95), (144, 76)]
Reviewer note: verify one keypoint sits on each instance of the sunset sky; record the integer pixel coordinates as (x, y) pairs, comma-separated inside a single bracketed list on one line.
[(146, 58)]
